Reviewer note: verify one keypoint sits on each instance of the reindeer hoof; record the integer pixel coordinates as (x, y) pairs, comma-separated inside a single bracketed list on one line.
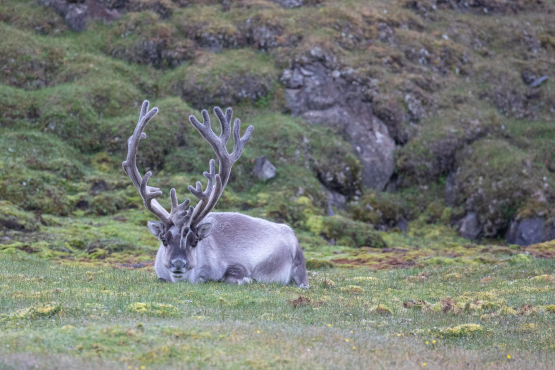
[(304, 286), (245, 280), (162, 280)]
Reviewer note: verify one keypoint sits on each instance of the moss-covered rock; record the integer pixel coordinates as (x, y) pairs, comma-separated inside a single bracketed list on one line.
[(39, 19), (315, 264), (496, 180), (336, 165), (27, 62), (37, 171), (13, 218), (378, 208), (345, 232), (210, 28), (144, 39), (17, 106), (225, 79), (77, 112)]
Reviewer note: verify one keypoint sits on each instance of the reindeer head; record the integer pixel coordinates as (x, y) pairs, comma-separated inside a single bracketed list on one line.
[(180, 230)]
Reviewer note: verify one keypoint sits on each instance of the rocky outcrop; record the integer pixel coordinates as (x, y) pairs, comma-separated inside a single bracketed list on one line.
[(530, 231), (264, 169), (335, 99), (78, 13)]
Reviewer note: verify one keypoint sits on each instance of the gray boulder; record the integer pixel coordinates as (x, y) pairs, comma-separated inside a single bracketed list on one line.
[(530, 231), (263, 169), (328, 97), (469, 226), (335, 200)]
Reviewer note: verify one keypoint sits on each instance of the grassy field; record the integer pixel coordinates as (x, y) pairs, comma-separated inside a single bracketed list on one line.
[(74, 315)]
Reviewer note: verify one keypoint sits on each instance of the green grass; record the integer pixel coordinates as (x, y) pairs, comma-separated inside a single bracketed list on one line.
[(84, 313)]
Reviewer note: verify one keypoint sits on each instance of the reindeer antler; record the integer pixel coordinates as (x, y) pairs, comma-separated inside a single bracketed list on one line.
[(179, 213), (213, 192)]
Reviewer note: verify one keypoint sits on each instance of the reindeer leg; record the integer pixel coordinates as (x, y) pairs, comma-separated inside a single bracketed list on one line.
[(299, 269), (237, 274)]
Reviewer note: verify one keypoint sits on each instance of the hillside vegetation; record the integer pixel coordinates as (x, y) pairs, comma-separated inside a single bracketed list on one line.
[(441, 105)]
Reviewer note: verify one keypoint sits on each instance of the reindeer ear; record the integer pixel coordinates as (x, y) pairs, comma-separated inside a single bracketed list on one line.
[(204, 230), (157, 228)]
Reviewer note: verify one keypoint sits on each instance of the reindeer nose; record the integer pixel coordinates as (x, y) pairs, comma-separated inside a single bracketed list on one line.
[(177, 264)]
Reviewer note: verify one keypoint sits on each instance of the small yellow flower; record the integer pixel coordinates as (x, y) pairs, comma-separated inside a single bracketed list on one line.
[(424, 364), (433, 342), (258, 331), (313, 338), (427, 342), (142, 368), (329, 324), (508, 357), (129, 367), (398, 335), (354, 347), (351, 332), (346, 340)]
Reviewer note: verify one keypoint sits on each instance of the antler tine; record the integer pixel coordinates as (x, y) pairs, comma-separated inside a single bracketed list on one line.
[(197, 192), (239, 142), (179, 214), (204, 196), (130, 167), (225, 159), (224, 123)]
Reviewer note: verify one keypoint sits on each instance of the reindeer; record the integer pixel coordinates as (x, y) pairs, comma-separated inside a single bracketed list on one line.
[(199, 245)]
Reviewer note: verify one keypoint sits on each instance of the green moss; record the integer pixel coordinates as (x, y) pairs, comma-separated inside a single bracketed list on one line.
[(519, 258), (85, 67), (77, 112), (315, 264), (17, 106), (464, 330), (144, 38), (27, 62), (225, 79), (501, 179), (153, 309), (381, 309), (31, 313), (209, 27), (40, 19), (345, 232), (108, 203), (378, 208), (11, 217)]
